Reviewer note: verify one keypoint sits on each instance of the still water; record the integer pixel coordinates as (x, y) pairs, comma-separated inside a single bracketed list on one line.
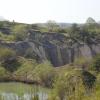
[(20, 91)]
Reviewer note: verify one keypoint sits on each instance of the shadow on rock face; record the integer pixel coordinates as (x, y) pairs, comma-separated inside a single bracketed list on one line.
[(11, 65)]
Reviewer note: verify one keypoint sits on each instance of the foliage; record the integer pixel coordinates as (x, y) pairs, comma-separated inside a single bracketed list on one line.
[(68, 86), (1, 24), (5, 37), (73, 83), (6, 54), (44, 73), (83, 63), (20, 32), (24, 72), (4, 74), (90, 20), (96, 63), (4, 24), (52, 26), (11, 65), (88, 80)]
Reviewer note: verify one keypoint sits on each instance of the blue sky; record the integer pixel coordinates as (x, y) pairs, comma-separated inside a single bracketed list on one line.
[(32, 11)]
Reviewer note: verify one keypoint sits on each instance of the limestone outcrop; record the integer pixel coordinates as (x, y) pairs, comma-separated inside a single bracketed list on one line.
[(53, 47)]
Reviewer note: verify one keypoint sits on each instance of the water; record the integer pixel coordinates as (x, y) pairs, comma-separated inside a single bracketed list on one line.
[(20, 91)]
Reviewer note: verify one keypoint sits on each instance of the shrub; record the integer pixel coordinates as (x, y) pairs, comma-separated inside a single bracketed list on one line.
[(11, 65), (6, 54), (8, 59), (25, 71), (4, 74), (88, 80), (68, 86), (20, 32), (7, 37), (82, 62), (96, 63), (44, 74)]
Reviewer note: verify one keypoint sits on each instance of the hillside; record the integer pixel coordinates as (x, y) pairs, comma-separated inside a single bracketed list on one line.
[(66, 60), (57, 47)]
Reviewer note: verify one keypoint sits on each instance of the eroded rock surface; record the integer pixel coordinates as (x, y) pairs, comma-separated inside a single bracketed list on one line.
[(53, 47)]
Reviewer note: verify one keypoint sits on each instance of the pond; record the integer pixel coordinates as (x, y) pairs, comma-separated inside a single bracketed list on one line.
[(21, 91)]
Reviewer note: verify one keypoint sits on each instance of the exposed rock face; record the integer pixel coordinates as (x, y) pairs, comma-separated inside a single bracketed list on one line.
[(53, 47), (5, 30)]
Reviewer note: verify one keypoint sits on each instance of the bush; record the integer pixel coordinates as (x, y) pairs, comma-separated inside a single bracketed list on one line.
[(8, 59), (96, 63), (7, 37), (20, 32), (88, 80), (6, 54), (44, 74), (4, 74), (82, 62), (26, 68), (68, 86), (11, 65)]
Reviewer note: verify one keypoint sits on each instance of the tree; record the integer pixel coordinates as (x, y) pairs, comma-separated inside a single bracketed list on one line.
[(52, 26), (74, 33), (90, 20)]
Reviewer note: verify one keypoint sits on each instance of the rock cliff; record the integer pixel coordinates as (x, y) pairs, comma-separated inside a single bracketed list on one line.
[(53, 47)]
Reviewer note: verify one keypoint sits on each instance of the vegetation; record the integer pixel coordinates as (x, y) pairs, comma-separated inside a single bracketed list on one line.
[(85, 33), (96, 63), (6, 54), (5, 37), (67, 82), (52, 26), (19, 32), (44, 73), (77, 81)]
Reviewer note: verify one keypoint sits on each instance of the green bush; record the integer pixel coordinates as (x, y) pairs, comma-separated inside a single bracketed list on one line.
[(8, 59), (7, 38), (82, 62), (88, 80), (44, 74), (96, 63), (19, 32), (68, 86), (11, 65), (26, 68), (6, 54), (4, 74)]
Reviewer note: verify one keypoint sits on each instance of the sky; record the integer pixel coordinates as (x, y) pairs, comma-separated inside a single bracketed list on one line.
[(40, 11)]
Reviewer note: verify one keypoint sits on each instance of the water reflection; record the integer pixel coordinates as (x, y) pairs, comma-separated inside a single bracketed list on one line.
[(26, 96), (21, 91)]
